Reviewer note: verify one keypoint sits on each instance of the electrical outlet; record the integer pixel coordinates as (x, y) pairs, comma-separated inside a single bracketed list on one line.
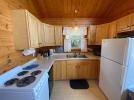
[(9, 61)]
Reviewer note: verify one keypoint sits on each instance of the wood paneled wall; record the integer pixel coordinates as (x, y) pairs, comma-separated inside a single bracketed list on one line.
[(9, 57)]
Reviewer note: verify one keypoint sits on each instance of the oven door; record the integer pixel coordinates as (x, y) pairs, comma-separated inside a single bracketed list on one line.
[(43, 93)]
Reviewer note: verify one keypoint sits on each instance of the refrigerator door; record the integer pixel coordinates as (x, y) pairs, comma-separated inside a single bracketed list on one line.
[(129, 79), (111, 78), (115, 49)]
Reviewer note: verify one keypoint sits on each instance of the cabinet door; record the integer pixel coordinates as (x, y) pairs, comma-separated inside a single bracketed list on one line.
[(20, 32), (72, 69), (91, 34), (83, 69), (59, 70), (88, 69), (33, 31), (132, 21), (58, 35), (112, 29), (123, 24), (101, 33), (41, 34), (49, 35), (93, 69)]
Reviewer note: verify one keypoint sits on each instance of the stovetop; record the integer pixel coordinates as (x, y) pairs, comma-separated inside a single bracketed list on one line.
[(23, 78), (18, 78)]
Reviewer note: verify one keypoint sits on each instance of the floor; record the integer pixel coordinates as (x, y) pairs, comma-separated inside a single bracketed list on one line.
[(62, 91)]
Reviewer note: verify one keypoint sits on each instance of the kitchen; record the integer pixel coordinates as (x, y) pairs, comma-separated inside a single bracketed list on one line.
[(67, 49)]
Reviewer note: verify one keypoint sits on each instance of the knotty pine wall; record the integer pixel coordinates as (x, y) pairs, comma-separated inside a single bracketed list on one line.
[(9, 57)]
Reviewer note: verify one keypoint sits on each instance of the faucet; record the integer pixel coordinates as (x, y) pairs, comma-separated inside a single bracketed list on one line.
[(75, 54)]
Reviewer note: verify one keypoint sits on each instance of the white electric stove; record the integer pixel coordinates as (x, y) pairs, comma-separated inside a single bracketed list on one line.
[(27, 82)]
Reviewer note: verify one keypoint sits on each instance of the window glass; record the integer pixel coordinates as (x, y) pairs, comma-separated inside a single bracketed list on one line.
[(74, 37), (75, 40)]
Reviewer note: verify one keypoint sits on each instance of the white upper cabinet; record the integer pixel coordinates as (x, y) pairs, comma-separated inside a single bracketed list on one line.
[(30, 32), (58, 35), (25, 30), (41, 34), (33, 30), (49, 35)]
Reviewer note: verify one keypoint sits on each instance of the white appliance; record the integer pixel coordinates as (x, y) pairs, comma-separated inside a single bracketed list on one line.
[(37, 90), (117, 67)]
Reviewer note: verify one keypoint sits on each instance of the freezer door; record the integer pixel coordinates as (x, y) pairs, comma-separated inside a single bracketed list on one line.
[(115, 49), (111, 79)]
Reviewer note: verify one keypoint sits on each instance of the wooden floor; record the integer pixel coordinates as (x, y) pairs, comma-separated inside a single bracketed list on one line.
[(62, 91)]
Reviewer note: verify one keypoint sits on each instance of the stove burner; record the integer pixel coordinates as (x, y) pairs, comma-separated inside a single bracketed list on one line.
[(11, 82), (37, 72), (25, 81), (30, 67), (22, 73)]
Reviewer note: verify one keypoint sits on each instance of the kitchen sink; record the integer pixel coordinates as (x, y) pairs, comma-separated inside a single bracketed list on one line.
[(76, 56)]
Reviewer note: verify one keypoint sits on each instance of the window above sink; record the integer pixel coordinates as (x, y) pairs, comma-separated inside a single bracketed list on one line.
[(75, 39)]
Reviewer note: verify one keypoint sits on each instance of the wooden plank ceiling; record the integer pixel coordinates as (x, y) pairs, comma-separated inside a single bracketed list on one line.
[(93, 9)]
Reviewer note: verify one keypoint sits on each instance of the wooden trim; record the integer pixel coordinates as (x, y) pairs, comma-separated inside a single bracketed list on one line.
[(74, 21), (75, 50)]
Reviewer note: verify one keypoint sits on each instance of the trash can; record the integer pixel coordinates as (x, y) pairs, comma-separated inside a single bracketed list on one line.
[(130, 94)]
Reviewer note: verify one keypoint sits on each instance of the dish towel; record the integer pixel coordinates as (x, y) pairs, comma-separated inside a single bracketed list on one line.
[(29, 52)]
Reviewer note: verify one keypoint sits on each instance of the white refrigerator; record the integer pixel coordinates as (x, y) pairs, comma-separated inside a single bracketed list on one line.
[(117, 67)]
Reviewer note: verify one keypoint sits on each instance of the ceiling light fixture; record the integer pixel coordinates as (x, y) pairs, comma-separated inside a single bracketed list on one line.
[(76, 27), (75, 11), (76, 14)]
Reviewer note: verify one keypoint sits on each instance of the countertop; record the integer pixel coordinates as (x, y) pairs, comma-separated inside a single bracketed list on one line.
[(47, 62), (62, 56)]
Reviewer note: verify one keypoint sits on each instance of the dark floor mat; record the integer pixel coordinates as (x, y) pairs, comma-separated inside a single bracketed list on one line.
[(79, 84)]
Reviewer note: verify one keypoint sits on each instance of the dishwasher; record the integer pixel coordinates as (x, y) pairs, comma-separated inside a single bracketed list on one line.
[(50, 80)]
